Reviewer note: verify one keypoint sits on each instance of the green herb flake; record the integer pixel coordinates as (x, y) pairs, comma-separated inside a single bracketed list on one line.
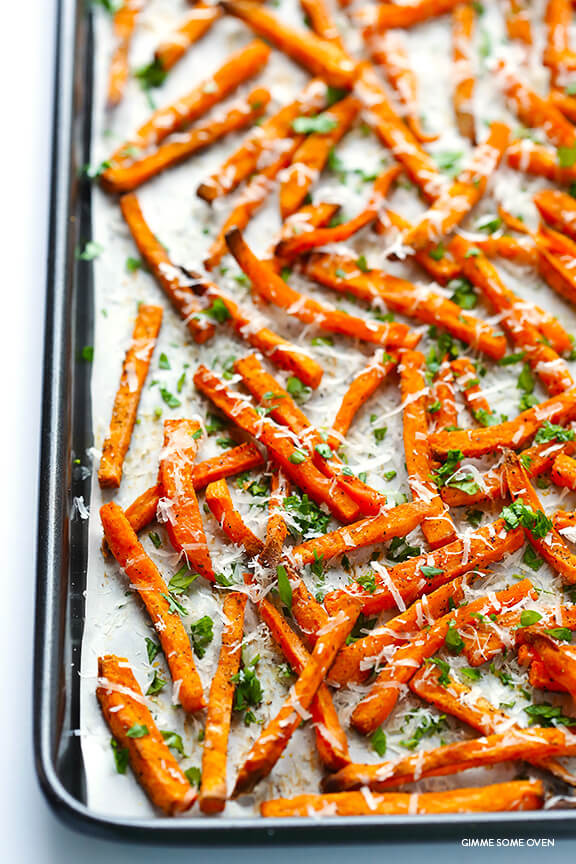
[(121, 756), (378, 741), (91, 251), (322, 123), (156, 685), (169, 398), (529, 617), (163, 362), (174, 741), (284, 586), (202, 633)]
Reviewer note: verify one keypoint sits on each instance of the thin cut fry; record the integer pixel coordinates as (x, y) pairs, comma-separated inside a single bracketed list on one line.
[(551, 547), (534, 111), (239, 67), (197, 22), (321, 21), (307, 219), (442, 408), (220, 503), (276, 528), (270, 286), (170, 278), (559, 660), (134, 372), (271, 743), (320, 57), (514, 745), (213, 790), (362, 386), (557, 209), (124, 707), (145, 578), (312, 155), (532, 158), (564, 472), (437, 526), (518, 20), (124, 23), (467, 377), (463, 21), (388, 16), (242, 113), (176, 476)]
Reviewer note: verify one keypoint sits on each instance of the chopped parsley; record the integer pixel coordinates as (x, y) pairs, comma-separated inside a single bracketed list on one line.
[(156, 685), (552, 432), (174, 741), (193, 775), (427, 725), (378, 741), (91, 251), (320, 123), (545, 714), (218, 311), (400, 550), (152, 649), (169, 398), (529, 617), (453, 640), (444, 667), (202, 634), (248, 692), (284, 586), (182, 580), (308, 517), (297, 389), (138, 730), (518, 513), (121, 756), (463, 293), (163, 362)]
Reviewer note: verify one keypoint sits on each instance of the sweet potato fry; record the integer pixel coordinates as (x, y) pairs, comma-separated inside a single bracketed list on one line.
[(559, 660), (285, 452), (331, 740), (239, 67), (395, 522), (514, 795), (467, 377), (437, 526), (176, 476), (564, 471), (463, 24), (173, 282), (518, 20), (450, 208), (307, 219), (557, 209), (355, 662), (388, 16), (548, 544), (324, 236), (124, 707), (220, 503), (375, 707), (421, 303), (260, 148), (532, 158), (320, 20), (512, 434), (442, 408), (557, 55), (241, 113), (271, 743), (142, 511), (514, 745), (388, 52), (312, 155), (213, 791), (276, 528), (564, 519), (147, 581), (442, 267), (267, 284), (394, 134), (322, 58), (134, 372), (124, 24), (362, 386), (195, 25), (556, 267), (534, 111), (401, 585), (521, 251)]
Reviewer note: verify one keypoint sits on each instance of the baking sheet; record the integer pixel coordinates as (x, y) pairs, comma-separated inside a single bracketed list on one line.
[(115, 622)]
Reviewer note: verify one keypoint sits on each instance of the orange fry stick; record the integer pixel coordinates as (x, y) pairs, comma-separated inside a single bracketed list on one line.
[(172, 281), (324, 236), (213, 791), (124, 23), (276, 528), (196, 23), (234, 461), (394, 134), (520, 250), (376, 705), (220, 503), (321, 21), (531, 158), (394, 522), (388, 16), (124, 708), (147, 581), (437, 527), (518, 20), (401, 585), (282, 447), (442, 267), (239, 67), (557, 209), (312, 155), (322, 58), (331, 740), (134, 372), (362, 386), (270, 286), (463, 23), (273, 740), (388, 51), (514, 795), (537, 674), (514, 745), (555, 262), (557, 54), (176, 476), (564, 471), (551, 547), (564, 519), (342, 274), (559, 660), (467, 378), (450, 208), (443, 398), (242, 113), (355, 662), (307, 219), (512, 434), (261, 147)]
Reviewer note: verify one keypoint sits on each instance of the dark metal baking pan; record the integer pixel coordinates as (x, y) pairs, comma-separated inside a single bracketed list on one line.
[(62, 541)]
